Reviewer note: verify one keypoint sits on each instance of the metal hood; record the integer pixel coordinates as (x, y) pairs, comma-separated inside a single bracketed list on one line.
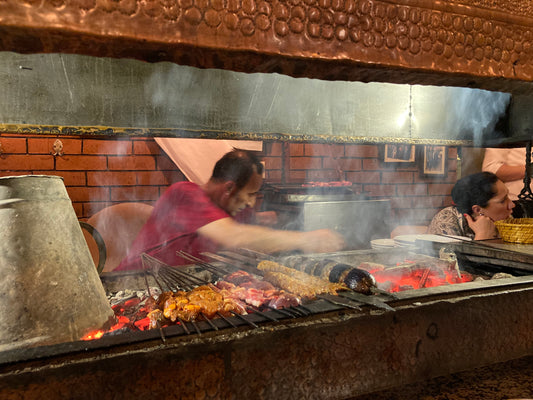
[(336, 46)]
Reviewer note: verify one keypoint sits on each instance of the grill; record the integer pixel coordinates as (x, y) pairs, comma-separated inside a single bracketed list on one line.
[(346, 345)]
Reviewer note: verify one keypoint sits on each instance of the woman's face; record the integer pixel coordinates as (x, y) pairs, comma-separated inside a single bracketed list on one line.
[(500, 206)]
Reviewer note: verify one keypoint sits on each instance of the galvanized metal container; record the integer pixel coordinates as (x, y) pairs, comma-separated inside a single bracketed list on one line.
[(50, 291)]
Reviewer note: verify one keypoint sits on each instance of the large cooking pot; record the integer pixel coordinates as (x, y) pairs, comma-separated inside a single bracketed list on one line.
[(50, 291)]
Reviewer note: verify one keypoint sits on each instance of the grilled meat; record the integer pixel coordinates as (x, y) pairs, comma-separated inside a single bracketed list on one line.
[(358, 279), (300, 283), (202, 301), (256, 292)]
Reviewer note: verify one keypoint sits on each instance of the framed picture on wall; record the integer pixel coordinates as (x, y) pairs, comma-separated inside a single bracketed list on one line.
[(399, 153), (433, 161)]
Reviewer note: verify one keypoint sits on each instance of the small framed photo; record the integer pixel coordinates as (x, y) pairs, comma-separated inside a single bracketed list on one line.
[(433, 161), (399, 153)]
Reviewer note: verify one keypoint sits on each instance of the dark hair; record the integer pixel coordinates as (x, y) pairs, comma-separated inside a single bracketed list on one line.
[(474, 189), (237, 166)]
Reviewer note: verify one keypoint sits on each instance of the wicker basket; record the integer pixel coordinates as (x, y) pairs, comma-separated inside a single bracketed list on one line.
[(517, 230)]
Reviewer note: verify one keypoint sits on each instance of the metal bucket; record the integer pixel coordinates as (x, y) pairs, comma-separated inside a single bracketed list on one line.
[(50, 291)]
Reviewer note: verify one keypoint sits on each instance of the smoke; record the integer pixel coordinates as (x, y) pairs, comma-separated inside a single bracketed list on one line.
[(458, 113)]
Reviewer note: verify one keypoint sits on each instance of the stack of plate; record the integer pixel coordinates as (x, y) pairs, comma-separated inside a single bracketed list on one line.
[(382, 243), (409, 240)]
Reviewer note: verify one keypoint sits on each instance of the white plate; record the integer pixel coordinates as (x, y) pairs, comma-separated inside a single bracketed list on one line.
[(382, 243)]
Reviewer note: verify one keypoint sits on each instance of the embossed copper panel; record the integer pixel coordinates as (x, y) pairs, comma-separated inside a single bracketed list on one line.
[(477, 43)]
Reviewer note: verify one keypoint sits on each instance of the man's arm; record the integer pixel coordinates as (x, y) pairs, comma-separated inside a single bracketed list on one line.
[(508, 173), (231, 234), (495, 161)]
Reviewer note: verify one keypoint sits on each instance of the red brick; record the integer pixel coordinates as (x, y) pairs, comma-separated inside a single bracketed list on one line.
[(136, 193), (296, 176), (45, 145), (26, 162), (111, 178), (364, 177), (107, 147), (12, 145), (419, 189), (131, 163), (380, 190), (371, 164), (273, 176), (88, 194), (436, 202), (452, 165), (296, 149), (40, 145), (402, 202), (17, 173), (155, 178), (324, 175), (147, 147), (70, 146), (273, 163), (78, 209), (397, 177), (344, 164), (328, 150), (164, 162), (171, 176), (69, 178), (273, 149), (452, 152), (305, 163), (439, 189), (88, 163), (89, 209), (357, 188), (362, 150)]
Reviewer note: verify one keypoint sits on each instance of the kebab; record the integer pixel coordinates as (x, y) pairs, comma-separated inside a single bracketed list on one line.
[(202, 301), (357, 279), (297, 282), (257, 292)]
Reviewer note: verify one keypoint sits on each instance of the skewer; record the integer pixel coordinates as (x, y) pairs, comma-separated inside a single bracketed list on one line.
[(226, 319), (209, 322), (209, 267), (244, 319)]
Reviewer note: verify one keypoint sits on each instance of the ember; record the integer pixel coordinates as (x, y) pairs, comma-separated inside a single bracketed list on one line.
[(413, 274), (130, 314)]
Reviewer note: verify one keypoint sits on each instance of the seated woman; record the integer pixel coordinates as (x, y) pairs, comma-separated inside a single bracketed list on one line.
[(479, 200)]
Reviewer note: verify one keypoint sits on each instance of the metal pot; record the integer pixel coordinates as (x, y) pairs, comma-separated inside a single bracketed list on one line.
[(50, 290)]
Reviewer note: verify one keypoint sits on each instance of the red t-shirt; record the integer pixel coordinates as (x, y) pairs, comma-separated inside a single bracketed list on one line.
[(181, 210)]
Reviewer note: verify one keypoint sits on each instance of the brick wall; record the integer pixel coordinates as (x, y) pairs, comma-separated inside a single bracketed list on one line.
[(99, 172)]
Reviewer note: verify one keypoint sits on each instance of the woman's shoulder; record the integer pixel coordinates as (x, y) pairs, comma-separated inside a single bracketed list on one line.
[(450, 211), (447, 221)]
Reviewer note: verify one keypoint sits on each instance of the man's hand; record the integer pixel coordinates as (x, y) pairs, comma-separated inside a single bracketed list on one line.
[(322, 241)]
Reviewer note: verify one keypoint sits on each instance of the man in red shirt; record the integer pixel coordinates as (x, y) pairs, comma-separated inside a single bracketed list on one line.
[(197, 219)]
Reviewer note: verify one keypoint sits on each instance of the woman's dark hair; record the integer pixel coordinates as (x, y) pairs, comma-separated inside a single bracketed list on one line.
[(237, 166), (474, 189)]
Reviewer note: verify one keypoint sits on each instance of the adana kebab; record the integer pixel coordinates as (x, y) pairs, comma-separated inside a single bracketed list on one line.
[(297, 282), (355, 278)]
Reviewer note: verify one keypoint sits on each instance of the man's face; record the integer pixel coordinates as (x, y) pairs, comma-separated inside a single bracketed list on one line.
[(238, 200)]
